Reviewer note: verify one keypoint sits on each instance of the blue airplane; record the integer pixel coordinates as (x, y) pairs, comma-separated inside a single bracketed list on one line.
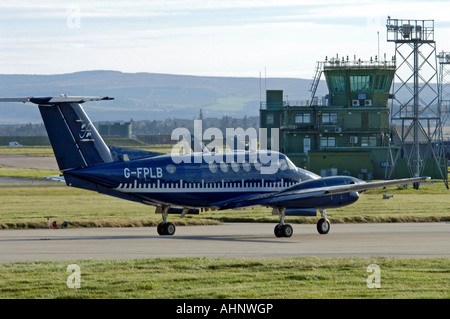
[(187, 183)]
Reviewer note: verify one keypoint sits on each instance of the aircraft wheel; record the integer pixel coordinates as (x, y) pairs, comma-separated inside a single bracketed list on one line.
[(283, 230), (287, 230), (323, 226), (169, 229), (277, 231), (160, 229), (166, 229)]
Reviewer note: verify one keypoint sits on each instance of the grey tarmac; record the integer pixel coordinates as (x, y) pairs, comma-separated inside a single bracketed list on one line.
[(238, 240)]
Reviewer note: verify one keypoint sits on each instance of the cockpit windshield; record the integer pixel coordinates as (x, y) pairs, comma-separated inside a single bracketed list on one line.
[(291, 165), (308, 174), (286, 164)]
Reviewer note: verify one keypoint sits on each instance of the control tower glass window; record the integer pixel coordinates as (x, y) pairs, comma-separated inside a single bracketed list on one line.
[(337, 83), (361, 83), (382, 82)]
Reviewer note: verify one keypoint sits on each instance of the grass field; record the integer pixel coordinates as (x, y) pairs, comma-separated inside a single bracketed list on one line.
[(27, 150), (205, 278)]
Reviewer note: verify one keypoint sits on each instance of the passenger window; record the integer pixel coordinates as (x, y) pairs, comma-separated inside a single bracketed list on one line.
[(213, 167), (224, 167)]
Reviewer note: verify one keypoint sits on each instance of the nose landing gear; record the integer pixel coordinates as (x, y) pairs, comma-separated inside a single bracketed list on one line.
[(323, 225)]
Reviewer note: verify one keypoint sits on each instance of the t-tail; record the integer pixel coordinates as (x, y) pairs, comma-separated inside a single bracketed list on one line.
[(74, 138)]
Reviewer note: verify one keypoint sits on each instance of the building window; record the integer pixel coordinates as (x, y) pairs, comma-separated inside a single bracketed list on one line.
[(353, 139), (368, 141), (360, 83), (270, 119), (328, 141), (337, 83), (329, 118), (302, 118), (383, 83)]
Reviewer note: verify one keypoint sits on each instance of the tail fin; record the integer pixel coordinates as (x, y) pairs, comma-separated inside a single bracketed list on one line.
[(75, 141)]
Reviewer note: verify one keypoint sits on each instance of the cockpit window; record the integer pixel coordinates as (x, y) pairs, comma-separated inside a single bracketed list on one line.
[(290, 165), (311, 175)]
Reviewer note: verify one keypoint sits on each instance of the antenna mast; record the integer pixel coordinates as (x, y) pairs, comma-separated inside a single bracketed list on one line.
[(415, 110)]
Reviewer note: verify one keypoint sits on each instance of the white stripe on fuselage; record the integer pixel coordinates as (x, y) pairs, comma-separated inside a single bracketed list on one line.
[(203, 187)]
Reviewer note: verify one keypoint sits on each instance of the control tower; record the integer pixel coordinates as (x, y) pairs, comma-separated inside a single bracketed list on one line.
[(347, 131), (356, 83)]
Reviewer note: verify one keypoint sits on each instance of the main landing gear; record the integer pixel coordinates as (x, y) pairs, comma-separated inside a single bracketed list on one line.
[(165, 228), (282, 229)]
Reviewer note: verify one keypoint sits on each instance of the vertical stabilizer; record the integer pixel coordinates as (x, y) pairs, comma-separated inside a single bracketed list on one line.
[(75, 140)]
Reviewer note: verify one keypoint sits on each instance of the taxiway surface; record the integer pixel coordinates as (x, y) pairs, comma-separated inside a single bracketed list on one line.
[(241, 240)]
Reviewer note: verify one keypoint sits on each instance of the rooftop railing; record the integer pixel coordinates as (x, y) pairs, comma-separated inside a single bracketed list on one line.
[(335, 63)]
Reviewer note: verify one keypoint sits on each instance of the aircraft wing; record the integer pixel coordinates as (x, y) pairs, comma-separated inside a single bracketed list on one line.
[(277, 198)]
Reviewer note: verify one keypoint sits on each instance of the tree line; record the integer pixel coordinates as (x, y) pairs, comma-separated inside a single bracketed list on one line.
[(144, 127)]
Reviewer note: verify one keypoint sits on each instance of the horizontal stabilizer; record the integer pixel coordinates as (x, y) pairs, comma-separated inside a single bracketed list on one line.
[(56, 100), (57, 178)]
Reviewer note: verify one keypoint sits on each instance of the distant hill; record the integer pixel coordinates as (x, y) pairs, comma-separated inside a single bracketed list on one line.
[(148, 96)]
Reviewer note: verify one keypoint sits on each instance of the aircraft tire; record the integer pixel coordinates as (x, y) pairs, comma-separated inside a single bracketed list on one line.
[(160, 229), (287, 230), (169, 229), (166, 229), (283, 230), (323, 226), (277, 231)]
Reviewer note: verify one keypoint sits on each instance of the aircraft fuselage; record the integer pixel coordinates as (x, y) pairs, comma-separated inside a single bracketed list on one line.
[(195, 183)]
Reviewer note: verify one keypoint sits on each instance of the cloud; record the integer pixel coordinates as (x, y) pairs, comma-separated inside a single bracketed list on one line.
[(232, 37)]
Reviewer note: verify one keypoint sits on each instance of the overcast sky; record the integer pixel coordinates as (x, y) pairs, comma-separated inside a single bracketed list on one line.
[(281, 38)]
